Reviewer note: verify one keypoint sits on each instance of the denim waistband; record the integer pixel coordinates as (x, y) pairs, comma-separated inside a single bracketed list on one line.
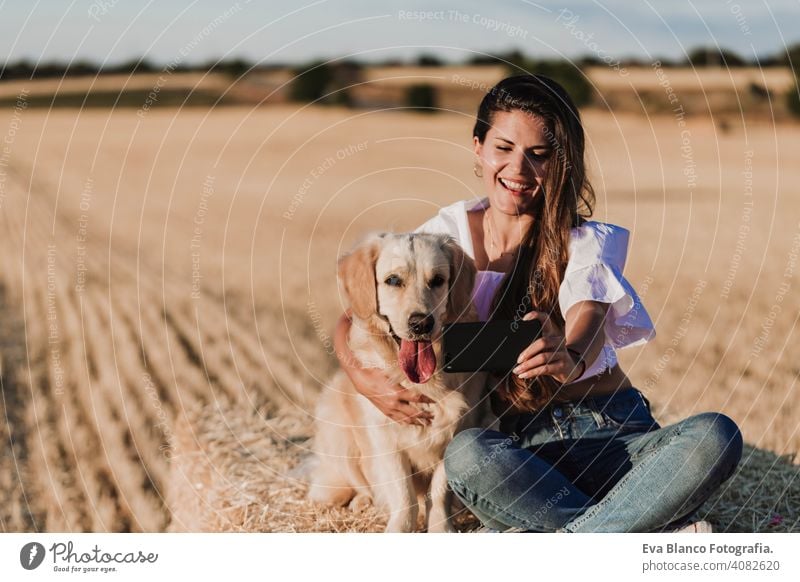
[(586, 406)]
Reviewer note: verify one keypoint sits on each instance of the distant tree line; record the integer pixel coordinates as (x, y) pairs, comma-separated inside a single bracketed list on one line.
[(698, 57), (326, 82), (25, 69)]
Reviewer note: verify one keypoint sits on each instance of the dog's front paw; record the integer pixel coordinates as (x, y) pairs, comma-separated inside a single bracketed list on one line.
[(360, 503)]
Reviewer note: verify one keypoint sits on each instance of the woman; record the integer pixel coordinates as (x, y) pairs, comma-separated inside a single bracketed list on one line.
[(578, 449)]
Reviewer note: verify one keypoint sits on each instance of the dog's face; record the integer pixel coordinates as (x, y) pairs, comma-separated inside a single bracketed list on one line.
[(416, 282), (412, 274)]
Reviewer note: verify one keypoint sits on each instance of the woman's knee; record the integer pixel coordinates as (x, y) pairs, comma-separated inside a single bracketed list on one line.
[(717, 442), (470, 454)]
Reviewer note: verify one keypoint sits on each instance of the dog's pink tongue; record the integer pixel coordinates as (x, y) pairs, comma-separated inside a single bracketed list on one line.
[(417, 360)]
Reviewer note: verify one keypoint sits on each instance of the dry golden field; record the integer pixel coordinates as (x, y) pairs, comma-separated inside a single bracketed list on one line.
[(167, 295)]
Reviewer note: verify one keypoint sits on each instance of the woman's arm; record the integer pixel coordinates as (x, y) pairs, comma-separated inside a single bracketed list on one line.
[(558, 356), (585, 329), (392, 399)]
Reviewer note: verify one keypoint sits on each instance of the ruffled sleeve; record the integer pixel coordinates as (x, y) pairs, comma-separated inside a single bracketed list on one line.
[(594, 273), (437, 224), (450, 220)]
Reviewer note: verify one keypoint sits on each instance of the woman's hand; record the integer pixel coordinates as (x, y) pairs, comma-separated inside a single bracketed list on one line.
[(393, 400), (548, 355)]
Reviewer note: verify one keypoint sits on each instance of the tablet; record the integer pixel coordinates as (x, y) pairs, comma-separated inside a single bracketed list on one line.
[(487, 346)]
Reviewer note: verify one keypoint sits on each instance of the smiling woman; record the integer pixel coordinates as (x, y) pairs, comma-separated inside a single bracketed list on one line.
[(576, 422)]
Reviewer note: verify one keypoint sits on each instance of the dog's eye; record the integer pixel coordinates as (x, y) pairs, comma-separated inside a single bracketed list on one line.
[(437, 281), (394, 281)]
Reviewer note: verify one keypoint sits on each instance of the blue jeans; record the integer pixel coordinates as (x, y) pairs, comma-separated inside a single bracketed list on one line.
[(599, 465)]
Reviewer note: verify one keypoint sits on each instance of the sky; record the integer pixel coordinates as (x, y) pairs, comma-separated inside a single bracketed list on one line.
[(269, 31)]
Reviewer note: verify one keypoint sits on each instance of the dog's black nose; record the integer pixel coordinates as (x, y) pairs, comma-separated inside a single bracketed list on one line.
[(420, 324)]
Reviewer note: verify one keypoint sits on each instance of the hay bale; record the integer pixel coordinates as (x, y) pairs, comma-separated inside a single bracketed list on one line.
[(235, 470), (763, 495)]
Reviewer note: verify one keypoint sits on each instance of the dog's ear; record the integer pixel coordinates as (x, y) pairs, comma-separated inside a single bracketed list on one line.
[(462, 280), (356, 271)]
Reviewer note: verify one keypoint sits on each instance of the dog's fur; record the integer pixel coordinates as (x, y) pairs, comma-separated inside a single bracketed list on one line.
[(362, 455)]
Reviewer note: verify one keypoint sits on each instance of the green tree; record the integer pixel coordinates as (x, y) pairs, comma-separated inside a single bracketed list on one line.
[(793, 98), (715, 57), (422, 97), (310, 82)]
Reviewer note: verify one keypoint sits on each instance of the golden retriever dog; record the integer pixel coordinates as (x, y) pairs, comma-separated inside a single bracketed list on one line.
[(402, 288)]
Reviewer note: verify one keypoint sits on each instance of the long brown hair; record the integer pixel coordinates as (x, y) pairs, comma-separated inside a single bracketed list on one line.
[(568, 198)]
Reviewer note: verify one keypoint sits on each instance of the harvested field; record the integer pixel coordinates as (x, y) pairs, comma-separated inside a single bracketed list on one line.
[(167, 295)]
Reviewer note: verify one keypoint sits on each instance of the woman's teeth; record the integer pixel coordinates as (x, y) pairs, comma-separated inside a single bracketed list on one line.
[(515, 186)]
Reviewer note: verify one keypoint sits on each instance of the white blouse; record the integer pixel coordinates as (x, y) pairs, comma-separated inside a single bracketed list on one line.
[(597, 254)]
